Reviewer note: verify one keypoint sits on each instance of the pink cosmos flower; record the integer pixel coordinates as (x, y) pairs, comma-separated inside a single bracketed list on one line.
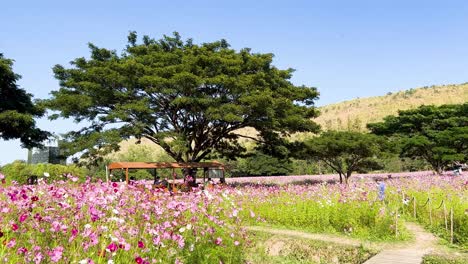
[(141, 244), (23, 218), (38, 257), (11, 243), (22, 250), (14, 227), (56, 254), (112, 247), (139, 260), (218, 241)]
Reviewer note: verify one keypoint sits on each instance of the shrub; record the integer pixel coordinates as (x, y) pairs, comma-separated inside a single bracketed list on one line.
[(262, 164), (20, 171)]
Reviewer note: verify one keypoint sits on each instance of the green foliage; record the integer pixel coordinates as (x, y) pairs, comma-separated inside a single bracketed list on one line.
[(260, 164), (142, 153), (20, 171), (295, 251), (17, 111), (308, 167), (438, 135), (190, 99), (444, 259), (355, 218), (393, 163), (345, 152)]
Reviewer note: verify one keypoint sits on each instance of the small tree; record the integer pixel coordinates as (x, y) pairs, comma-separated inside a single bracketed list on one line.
[(189, 99), (345, 151), (437, 134), (17, 111)]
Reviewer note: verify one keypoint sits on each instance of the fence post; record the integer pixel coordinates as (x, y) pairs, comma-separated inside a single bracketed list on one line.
[(396, 222), (451, 225), (445, 217), (414, 207), (430, 210), (403, 206)]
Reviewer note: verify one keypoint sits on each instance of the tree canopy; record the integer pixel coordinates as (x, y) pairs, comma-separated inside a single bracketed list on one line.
[(438, 134), (17, 111), (345, 151), (191, 99), (260, 164)]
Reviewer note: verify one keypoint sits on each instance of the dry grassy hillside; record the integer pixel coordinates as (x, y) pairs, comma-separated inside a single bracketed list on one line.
[(355, 114)]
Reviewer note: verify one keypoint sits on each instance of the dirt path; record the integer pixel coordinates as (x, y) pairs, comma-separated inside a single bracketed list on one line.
[(424, 243), (404, 253)]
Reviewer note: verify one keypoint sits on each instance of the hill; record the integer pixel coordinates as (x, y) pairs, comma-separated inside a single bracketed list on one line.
[(347, 115), (355, 114)]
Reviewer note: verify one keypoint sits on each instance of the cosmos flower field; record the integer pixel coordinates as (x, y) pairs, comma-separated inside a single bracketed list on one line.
[(98, 222)]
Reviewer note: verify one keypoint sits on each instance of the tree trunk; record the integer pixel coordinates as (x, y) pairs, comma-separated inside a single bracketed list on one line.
[(341, 177), (348, 174)]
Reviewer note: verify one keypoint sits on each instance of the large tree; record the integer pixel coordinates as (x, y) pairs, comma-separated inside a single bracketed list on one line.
[(190, 99), (437, 134), (345, 152), (17, 111)]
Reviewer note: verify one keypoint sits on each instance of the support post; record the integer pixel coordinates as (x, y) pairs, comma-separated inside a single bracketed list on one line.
[(126, 175), (173, 179), (107, 174)]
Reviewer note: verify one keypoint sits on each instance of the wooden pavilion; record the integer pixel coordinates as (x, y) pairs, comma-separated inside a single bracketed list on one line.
[(214, 169)]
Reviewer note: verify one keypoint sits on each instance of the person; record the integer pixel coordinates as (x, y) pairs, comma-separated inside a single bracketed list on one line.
[(457, 169), (157, 180), (32, 180), (132, 180), (190, 180), (208, 184), (164, 183), (209, 181), (381, 189), (161, 183)]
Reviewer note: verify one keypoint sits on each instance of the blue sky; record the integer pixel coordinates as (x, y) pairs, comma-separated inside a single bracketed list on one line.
[(347, 49)]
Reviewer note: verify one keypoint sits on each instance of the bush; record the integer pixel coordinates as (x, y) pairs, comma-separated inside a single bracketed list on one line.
[(260, 164), (20, 171)]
